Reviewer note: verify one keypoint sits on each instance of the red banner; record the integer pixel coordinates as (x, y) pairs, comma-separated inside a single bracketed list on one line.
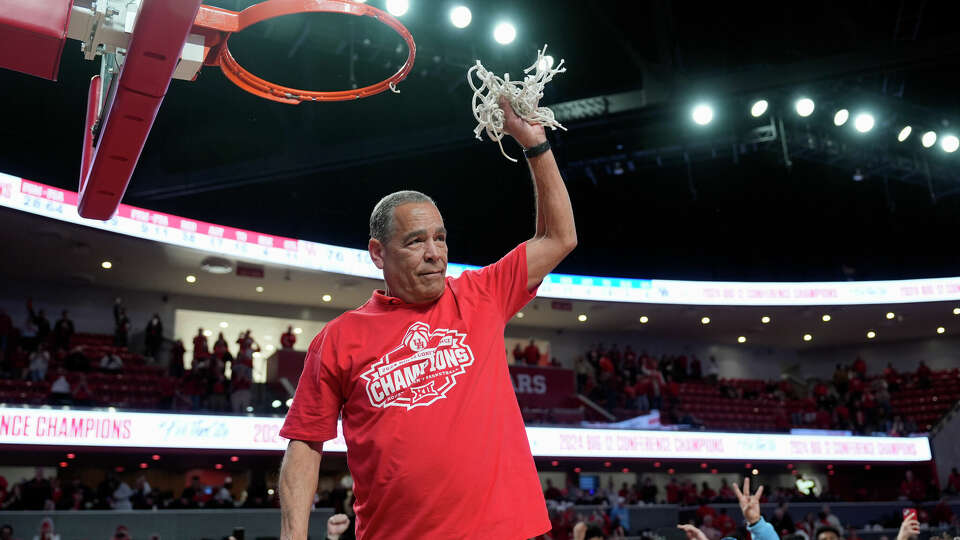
[(543, 387)]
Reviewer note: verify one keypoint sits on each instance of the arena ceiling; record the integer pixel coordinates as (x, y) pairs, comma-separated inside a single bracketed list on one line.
[(691, 205)]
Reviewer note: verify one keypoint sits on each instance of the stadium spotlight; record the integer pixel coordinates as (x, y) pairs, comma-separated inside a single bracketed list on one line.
[(826, 317), (504, 33), (742, 339), (644, 319), (276, 404), (805, 107), (807, 337), (950, 143), (871, 334), (326, 298), (705, 320), (191, 278), (702, 114), (891, 315), (289, 402), (759, 107), (941, 329), (519, 314), (956, 311), (298, 330), (545, 63), (582, 318), (259, 288), (460, 16), (904, 133), (398, 8), (840, 118), (928, 139), (863, 122), (765, 319), (106, 265)]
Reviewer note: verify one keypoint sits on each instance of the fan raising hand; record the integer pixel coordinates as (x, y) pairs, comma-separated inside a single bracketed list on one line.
[(749, 504)]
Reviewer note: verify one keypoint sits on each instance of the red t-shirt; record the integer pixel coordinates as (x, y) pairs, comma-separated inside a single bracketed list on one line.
[(435, 440)]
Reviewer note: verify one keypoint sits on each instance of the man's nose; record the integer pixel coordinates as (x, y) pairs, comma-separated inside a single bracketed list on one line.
[(432, 251)]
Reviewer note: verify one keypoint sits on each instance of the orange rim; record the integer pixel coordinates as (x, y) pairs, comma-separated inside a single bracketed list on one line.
[(224, 23)]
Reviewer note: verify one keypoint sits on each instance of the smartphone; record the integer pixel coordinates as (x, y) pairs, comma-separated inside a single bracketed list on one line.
[(909, 513)]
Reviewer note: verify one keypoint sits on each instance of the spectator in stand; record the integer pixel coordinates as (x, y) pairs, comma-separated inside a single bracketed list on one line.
[(713, 370), (46, 530), (60, 390), (673, 491), (40, 322), (288, 339), (726, 492), (892, 377), (910, 528), (518, 354), (782, 522), (953, 482), (648, 492), (911, 488), (200, 347), (39, 362), (223, 498), (841, 379), (531, 354), (122, 533), (923, 375), (860, 368), (221, 347), (551, 493), (36, 492), (240, 395), (121, 497), (6, 330), (141, 498), (696, 369), (707, 495), (153, 337), (121, 331), (62, 332), (111, 362), (830, 519), (828, 532), (194, 492), (6, 532), (176, 359)]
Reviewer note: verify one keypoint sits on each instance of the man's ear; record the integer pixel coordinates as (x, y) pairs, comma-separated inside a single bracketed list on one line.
[(376, 252)]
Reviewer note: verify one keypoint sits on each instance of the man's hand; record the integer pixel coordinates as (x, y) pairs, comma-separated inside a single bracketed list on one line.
[(337, 525), (518, 128), (693, 533), (910, 528), (749, 504)]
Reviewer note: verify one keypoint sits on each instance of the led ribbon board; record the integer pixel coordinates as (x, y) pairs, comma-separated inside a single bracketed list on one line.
[(73, 428), (43, 200)]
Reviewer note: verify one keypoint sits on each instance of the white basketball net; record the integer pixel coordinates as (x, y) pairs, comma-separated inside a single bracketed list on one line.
[(524, 97)]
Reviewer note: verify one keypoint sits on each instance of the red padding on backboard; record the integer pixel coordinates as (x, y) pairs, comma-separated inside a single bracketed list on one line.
[(158, 37), (32, 34)]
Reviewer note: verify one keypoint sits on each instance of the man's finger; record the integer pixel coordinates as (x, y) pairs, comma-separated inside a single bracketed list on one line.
[(759, 493), (746, 486)]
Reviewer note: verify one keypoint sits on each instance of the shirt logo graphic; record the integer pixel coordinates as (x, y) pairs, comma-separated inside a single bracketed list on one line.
[(421, 370)]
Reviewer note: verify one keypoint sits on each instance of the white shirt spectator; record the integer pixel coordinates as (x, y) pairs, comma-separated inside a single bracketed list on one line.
[(60, 386), (39, 360), (111, 362), (121, 497)]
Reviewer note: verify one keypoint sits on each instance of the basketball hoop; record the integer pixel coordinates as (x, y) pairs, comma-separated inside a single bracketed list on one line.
[(216, 25)]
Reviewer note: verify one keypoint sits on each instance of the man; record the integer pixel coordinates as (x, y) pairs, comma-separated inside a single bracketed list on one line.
[(435, 440), (63, 331), (288, 339)]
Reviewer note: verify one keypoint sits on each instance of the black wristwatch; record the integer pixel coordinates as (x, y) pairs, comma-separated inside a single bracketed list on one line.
[(535, 151)]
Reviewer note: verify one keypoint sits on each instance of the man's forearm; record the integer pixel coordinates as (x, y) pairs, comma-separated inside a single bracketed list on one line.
[(554, 211), (298, 485)]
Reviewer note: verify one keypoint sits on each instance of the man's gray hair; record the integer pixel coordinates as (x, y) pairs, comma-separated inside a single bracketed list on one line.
[(381, 220)]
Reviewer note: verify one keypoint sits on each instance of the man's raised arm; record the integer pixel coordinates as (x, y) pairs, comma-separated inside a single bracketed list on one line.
[(556, 233), (298, 484)]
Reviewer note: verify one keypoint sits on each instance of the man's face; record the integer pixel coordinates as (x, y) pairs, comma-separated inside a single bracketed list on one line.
[(6, 533), (414, 259)]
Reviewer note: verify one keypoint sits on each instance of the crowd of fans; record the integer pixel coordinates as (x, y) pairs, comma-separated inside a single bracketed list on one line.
[(114, 493), (851, 400), (39, 353)]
